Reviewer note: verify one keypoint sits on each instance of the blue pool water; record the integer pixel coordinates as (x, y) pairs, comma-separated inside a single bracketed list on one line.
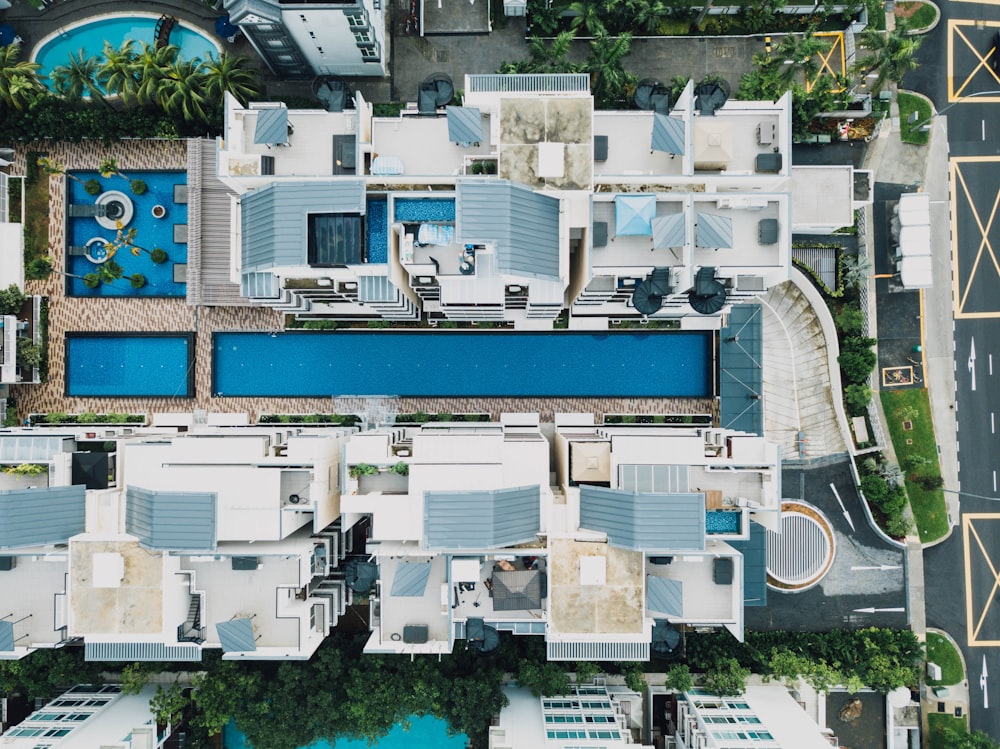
[(424, 209), (151, 233), (377, 218), (424, 733), (722, 522), (116, 28), (458, 363), (128, 366)]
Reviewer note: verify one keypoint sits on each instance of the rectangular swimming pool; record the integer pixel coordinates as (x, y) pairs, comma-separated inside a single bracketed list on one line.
[(129, 365), (462, 364)]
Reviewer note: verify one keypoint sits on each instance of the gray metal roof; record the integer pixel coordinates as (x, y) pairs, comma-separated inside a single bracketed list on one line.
[(177, 521), (522, 223), (411, 579), (47, 515), (644, 521), (740, 374), (465, 124), (272, 126), (236, 636), (668, 134), (7, 639), (664, 596), (481, 519), (25, 448), (275, 221), (714, 231), (754, 552), (517, 590), (376, 289)]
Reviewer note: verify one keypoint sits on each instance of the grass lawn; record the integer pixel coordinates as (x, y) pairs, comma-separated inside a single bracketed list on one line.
[(918, 14), (936, 722), (943, 653), (913, 406), (909, 103)]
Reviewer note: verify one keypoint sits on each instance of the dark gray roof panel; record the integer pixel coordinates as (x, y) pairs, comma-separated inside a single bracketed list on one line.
[(49, 515), (740, 375), (275, 218), (175, 521), (640, 521), (524, 225), (481, 520)]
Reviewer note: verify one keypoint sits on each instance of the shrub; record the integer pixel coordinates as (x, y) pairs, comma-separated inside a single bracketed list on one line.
[(857, 365), (726, 677), (929, 482), (11, 300), (158, 255), (402, 468), (362, 469), (56, 417), (91, 280), (874, 488), (914, 461), (543, 679), (635, 679), (857, 398), (39, 268), (92, 186), (87, 417), (899, 526), (28, 354), (679, 678), (378, 323), (850, 320), (137, 280), (138, 187), (586, 671)]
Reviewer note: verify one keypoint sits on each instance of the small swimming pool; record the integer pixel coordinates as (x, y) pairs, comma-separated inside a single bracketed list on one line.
[(462, 364), (722, 521), (423, 209), (127, 365), (377, 224), (115, 28), (151, 233), (426, 732)]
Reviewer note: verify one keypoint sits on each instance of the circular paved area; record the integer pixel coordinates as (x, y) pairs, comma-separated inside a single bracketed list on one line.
[(799, 556)]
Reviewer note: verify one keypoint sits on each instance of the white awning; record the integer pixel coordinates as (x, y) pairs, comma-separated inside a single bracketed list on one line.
[(916, 272)]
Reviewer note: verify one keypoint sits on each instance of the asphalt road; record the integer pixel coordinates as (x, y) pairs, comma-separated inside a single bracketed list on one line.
[(957, 74), (865, 585)]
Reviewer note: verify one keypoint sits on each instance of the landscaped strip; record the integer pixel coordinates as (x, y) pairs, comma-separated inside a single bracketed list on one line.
[(909, 415), (913, 132), (943, 653)]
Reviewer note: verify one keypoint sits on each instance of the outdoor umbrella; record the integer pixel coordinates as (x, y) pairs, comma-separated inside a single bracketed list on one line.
[(634, 215), (225, 28)]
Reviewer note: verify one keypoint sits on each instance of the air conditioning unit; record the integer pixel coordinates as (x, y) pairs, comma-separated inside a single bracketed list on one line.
[(294, 499)]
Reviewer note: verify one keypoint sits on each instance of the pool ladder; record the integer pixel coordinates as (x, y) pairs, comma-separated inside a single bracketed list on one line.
[(164, 25)]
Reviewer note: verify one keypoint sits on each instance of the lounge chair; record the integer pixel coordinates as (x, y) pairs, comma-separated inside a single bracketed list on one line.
[(180, 273), (88, 210), (180, 194), (76, 250), (181, 233)]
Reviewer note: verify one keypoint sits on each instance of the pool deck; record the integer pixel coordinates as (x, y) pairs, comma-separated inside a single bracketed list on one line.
[(131, 314)]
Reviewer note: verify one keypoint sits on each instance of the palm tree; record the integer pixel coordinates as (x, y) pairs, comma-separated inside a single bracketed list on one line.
[(109, 167), (586, 13), (181, 92), (78, 77), (19, 82), (610, 83), (649, 15), (151, 62), (51, 167), (118, 73), (231, 74), (893, 55)]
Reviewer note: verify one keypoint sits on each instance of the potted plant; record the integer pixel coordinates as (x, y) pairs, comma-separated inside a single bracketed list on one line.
[(158, 211), (362, 469), (401, 468)]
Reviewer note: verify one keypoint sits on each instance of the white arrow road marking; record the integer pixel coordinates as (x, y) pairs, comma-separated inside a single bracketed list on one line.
[(843, 509), (972, 362), (982, 685), (880, 611), (880, 567)]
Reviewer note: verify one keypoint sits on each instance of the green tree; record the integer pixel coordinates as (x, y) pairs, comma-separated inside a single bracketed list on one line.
[(78, 77), (635, 677), (850, 320), (169, 704), (29, 355), (679, 678), (47, 672), (19, 83), (726, 677), (955, 735), (11, 300), (108, 168), (51, 167), (224, 691), (229, 73), (586, 671), (118, 73), (857, 398), (893, 55), (151, 62), (545, 56), (587, 14), (543, 679), (611, 85), (875, 489)]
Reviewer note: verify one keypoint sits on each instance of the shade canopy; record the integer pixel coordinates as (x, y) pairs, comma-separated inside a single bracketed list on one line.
[(590, 461), (481, 636), (668, 231), (518, 590), (236, 636), (7, 33), (465, 125), (6, 636), (634, 215), (664, 596), (272, 126), (435, 91), (360, 575), (333, 91), (648, 295), (411, 579), (225, 28), (668, 134), (643, 97), (916, 272), (708, 98), (714, 231)]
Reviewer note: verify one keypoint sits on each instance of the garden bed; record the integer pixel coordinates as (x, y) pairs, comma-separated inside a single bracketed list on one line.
[(943, 653), (911, 132), (670, 419), (315, 418), (111, 419)]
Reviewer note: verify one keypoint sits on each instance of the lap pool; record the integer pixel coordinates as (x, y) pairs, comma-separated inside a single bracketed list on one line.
[(424, 732), (129, 365), (462, 364)]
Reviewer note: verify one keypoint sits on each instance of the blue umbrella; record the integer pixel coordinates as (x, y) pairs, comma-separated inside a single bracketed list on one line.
[(225, 28), (634, 215), (7, 34)]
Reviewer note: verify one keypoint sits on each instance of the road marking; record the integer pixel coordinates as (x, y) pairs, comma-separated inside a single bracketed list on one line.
[(976, 610), (982, 60), (880, 568), (982, 684), (972, 362), (843, 509), (984, 255), (880, 611), (993, 423)]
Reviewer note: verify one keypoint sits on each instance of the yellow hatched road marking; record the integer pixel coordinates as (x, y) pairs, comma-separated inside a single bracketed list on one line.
[(960, 292), (955, 29)]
